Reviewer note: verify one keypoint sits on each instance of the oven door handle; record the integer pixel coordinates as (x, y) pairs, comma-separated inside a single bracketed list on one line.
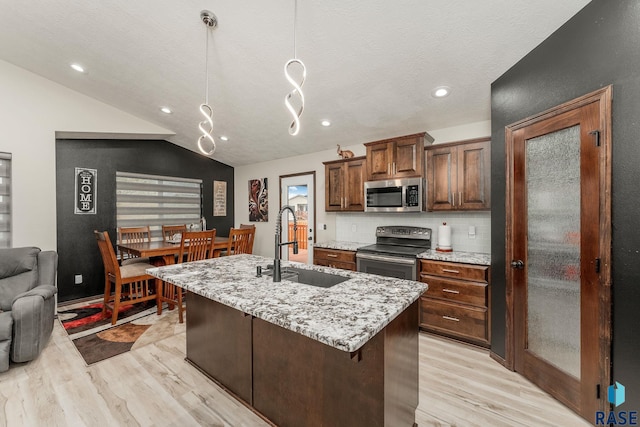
[(397, 260)]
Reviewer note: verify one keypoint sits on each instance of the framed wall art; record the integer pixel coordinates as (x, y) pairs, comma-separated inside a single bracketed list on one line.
[(258, 200)]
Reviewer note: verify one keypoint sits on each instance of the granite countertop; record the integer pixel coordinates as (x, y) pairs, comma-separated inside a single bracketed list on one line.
[(340, 245), (457, 256), (344, 316)]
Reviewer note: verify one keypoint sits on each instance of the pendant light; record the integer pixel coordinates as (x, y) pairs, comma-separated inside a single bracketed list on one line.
[(206, 126), (294, 128)]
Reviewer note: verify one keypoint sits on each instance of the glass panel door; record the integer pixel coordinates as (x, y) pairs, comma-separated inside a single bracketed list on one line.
[(297, 192), (553, 248)]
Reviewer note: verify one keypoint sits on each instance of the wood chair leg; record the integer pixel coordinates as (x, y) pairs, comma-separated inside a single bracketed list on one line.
[(116, 303), (180, 308), (159, 287), (107, 295)]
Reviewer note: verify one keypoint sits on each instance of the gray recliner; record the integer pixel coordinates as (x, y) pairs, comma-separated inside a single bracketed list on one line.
[(27, 303)]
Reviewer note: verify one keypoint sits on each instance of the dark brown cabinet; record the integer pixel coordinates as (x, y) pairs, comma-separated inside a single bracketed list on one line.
[(400, 157), (344, 184), (335, 258), (459, 175), (456, 303)]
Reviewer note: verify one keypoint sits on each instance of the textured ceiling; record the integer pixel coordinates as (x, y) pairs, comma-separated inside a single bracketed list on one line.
[(371, 64)]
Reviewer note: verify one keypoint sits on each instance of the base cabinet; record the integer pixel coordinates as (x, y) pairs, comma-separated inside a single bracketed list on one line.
[(335, 258), (456, 303), (293, 380)]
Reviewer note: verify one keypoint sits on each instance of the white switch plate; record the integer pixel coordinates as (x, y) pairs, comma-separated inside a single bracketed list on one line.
[(354, 228), (78, 279), (472, 232)]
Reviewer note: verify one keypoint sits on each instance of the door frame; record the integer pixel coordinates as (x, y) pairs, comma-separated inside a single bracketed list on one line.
[(604, 98), (311, 243)]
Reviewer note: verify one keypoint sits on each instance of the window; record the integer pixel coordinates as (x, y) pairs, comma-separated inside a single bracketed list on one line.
[(156, 200), (5, 200)]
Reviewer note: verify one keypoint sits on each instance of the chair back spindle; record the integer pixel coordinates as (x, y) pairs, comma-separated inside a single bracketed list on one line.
[(241, 241), (197, 245)]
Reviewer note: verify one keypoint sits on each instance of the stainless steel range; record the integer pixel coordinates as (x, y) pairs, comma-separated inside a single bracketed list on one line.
[(395, 250)]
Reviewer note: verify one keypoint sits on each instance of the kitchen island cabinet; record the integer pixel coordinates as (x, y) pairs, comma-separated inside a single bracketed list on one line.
[(304, 355)]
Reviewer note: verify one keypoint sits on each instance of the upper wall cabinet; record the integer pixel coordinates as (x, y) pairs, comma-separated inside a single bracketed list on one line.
[(344, 184), (459, 175), (401, 157)]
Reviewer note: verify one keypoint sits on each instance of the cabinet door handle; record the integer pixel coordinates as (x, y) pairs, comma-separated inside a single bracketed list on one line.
[(446, 270), (454, 319), (395, 170), (460, 198), (453, 199), (451, 291), (388, 168), (332, 256)]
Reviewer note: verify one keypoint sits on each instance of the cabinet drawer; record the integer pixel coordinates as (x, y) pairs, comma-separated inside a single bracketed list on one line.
[(473, 272), (336, 264), (462, 321), (473, 293), (334, 255)]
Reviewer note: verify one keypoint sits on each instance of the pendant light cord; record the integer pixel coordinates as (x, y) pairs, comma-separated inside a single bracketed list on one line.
[(295, 21), (206, 65)]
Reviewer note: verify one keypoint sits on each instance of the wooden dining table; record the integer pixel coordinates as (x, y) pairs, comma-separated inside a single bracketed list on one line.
[(166, 251)]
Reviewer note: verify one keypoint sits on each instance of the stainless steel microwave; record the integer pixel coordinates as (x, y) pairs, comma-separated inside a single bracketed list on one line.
[(393, 195)]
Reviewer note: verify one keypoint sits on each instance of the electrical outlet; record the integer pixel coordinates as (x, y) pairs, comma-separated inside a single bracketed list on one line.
[(78, 279), (472, 232), (354, 228)]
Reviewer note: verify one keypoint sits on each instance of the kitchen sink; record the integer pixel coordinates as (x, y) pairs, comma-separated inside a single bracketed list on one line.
[(309, 277)]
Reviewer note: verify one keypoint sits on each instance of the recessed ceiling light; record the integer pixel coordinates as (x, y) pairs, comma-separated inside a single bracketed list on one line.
[(166, 110), (441, 92), (325, 123), (224, 138), (79, 68)]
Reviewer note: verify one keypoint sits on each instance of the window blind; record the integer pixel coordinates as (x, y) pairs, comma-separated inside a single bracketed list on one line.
[(5, 200), (157, 200)]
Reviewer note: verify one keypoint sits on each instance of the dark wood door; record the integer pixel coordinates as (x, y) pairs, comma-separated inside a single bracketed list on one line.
[(408, 158), (379, 159), (441, 168), (561, 317), (333, 187), (354, 176), (474, 174)]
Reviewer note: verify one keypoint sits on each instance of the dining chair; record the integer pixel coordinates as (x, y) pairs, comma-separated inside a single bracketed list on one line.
[(241, 240), (168, 231), (194, 246), (133, 235), (129, 283)]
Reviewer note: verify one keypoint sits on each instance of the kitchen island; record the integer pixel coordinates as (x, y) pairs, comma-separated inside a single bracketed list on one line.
[(300, 354)]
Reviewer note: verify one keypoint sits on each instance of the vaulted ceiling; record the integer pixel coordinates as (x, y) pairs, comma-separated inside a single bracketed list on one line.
[(371, 65)]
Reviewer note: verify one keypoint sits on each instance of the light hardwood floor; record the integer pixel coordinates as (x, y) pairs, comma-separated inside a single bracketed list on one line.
[(153, 385)]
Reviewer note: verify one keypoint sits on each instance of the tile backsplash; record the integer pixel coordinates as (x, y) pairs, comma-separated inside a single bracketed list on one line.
[(361, 227)]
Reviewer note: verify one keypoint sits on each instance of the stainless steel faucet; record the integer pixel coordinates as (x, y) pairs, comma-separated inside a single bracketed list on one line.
[(276, 259)]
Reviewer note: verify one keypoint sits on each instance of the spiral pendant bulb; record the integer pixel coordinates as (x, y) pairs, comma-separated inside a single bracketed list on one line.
[(206, 128), (294, 128)]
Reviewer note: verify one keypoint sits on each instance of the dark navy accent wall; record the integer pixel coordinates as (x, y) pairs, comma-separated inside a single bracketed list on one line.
[(597, 47), (77, 247)]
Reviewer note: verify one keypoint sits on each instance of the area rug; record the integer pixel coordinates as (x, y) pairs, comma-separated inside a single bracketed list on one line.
[(94, 336)]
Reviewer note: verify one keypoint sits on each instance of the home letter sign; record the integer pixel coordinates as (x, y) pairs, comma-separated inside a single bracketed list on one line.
[(85, 194)]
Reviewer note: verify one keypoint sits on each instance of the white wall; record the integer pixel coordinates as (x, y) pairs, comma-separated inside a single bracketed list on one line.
[(339, 225), (33, 109)]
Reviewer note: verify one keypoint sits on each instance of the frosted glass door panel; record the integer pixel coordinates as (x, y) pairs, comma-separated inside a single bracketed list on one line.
[(553, 252)]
